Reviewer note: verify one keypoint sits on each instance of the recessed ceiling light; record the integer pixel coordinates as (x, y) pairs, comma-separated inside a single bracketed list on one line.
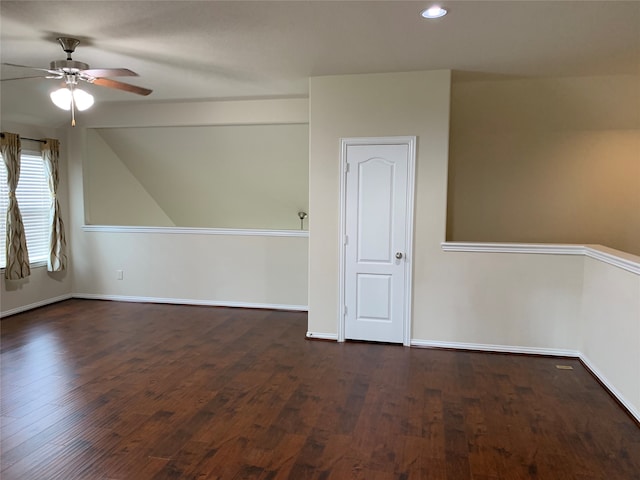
[(434, 12)]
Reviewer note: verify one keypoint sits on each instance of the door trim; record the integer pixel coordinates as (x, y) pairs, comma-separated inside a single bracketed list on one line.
[(411, 168)]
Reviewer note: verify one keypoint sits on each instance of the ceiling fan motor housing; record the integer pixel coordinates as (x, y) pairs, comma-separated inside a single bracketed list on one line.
[(68, 66)]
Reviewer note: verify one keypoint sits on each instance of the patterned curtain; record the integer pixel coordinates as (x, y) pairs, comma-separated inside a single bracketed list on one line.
[(57, 260), (17, 255)]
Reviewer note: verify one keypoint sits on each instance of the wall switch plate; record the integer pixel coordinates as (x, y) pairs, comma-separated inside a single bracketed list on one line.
[(119, 274)]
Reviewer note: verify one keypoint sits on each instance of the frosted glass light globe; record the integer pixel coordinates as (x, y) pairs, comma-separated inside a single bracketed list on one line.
[(62, 99)]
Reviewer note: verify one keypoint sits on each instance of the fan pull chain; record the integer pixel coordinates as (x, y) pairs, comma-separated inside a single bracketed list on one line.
[(73, 107)]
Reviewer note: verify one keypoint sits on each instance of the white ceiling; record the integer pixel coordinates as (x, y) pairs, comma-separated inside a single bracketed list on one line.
[(188, 50)]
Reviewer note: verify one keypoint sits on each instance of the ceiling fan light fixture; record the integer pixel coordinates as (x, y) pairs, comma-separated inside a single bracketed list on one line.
[(82, 99), (61, 98)]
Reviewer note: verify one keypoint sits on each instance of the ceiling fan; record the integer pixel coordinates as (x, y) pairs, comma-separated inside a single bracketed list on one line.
[(70, 97)]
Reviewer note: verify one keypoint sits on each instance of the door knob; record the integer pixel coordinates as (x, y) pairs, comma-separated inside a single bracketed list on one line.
[(398, 255)]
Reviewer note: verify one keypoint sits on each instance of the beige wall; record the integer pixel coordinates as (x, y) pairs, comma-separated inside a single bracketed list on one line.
[(111, 189), (42, 286), (455, 295), (369, 106), (546, 160), (221, 176), (195, 267)]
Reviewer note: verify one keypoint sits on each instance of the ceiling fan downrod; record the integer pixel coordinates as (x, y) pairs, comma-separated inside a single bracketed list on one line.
[(68, 44)]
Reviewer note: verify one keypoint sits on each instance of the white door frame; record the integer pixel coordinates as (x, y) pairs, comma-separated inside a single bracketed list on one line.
[(411, 168)]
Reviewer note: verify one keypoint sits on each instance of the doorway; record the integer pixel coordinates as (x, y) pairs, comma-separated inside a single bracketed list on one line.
[(377, 198)]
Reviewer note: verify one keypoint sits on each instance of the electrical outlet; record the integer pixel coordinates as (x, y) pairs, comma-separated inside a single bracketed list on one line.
[(119, 274)]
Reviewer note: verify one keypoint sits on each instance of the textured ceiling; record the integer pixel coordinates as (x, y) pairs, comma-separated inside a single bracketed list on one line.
[(186, 50)]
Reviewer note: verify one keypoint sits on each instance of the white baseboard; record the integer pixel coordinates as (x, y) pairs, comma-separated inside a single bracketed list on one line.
[(609, 386), (31, 306), (495, 348), (535, 351), (189, 301), (323, 336)]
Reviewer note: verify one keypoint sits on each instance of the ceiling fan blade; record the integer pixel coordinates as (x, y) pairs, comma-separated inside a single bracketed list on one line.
[(53, 72), (109, 72), (22, 78), (106, 82)]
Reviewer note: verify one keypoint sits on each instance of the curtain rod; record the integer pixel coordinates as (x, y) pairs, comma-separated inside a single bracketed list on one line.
[(27, 138)]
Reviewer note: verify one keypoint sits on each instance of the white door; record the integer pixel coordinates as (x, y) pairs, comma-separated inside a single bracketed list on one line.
[(378, 200)]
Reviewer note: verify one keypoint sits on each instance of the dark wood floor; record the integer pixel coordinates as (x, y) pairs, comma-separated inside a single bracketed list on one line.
[(106, 390)]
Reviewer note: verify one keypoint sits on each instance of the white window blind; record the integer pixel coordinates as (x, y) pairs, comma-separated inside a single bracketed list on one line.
[(34, 200)]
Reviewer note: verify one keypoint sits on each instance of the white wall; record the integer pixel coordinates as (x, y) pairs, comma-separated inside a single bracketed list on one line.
[(195, 267), (524, 301), (231, 270), (611, 327), (40, 287)]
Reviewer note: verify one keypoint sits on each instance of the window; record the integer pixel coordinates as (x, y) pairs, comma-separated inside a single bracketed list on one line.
[(34, 200)]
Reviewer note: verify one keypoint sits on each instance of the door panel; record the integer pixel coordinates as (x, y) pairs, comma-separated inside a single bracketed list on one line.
[(375, 199), (375, 225), (373, 294)]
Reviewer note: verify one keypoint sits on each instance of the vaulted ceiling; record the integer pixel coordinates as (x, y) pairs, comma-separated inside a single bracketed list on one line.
[(193, 50)]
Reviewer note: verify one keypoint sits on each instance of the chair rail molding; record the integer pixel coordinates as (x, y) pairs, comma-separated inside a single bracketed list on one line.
[(195, 231), (604, 254)]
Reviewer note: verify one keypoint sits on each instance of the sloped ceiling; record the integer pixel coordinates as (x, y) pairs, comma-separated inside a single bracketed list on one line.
[(190, 50), (249, 176)]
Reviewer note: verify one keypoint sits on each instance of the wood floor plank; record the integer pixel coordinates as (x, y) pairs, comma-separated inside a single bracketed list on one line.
[(35, 463), (23, 428), (96, 390)]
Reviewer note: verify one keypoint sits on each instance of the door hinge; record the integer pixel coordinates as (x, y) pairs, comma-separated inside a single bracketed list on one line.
[(346, 239), (345, 310), (346, 168)]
